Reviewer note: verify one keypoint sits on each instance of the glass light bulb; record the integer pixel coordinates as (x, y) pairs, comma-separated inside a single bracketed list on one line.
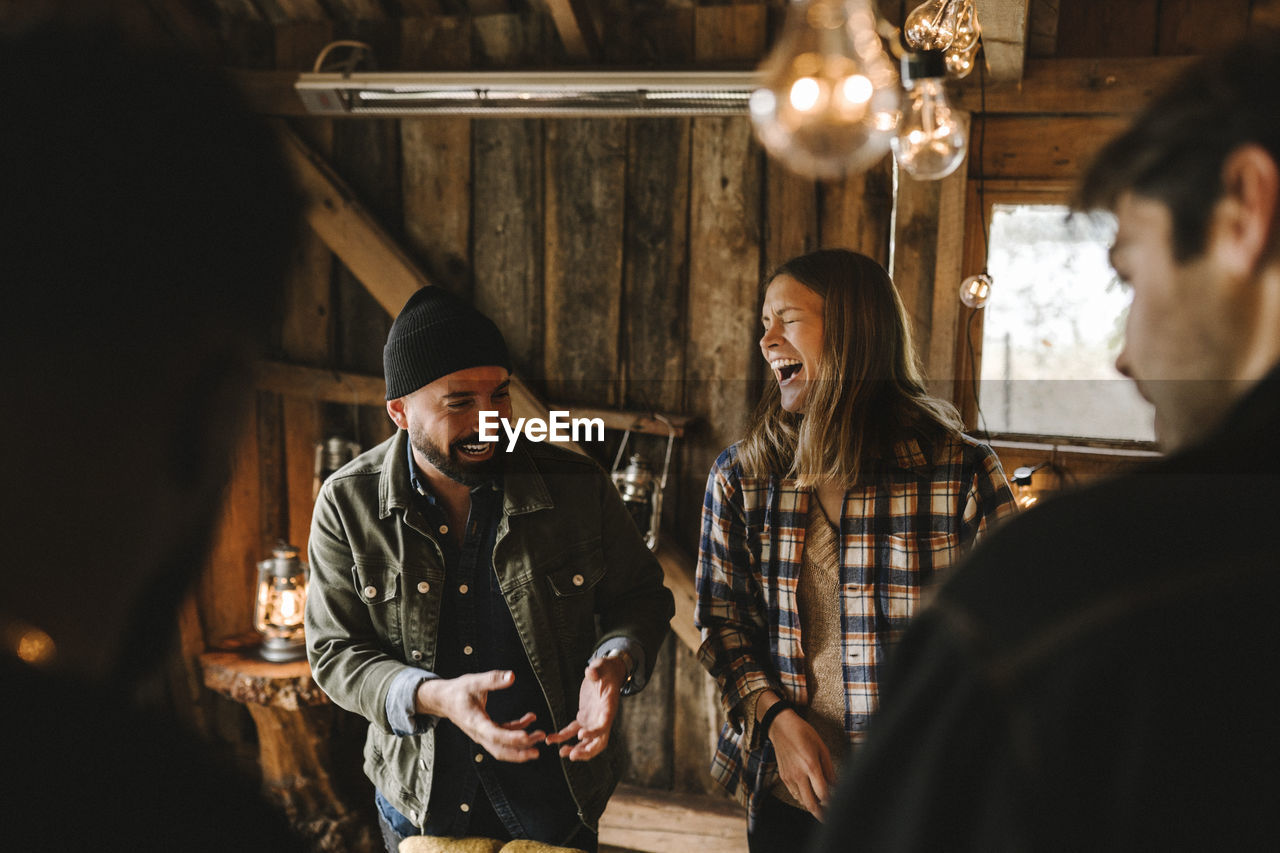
[(931, 142), (828, 105), (932, 25), (964, 48), (975, 290)]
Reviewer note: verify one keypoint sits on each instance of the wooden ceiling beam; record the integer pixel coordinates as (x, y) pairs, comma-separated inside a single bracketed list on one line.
[(1109, 86), (576, 26), (1004, 37), (1042, 28), (280, 12), (269, 93)]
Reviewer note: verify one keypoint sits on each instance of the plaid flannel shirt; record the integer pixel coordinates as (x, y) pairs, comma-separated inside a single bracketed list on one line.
[(916, 517)]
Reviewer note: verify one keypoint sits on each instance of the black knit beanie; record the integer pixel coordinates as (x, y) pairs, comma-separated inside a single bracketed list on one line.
[(435, 334)]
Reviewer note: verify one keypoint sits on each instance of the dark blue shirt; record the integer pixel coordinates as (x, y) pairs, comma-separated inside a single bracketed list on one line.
[(476, 633)]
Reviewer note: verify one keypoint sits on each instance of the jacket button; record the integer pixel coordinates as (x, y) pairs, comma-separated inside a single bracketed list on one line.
[(465, 807), (444, 528), (479, 758), (370, 591), (463, 589), (415, 654), (424, 587), (579, 580), (466, 650)]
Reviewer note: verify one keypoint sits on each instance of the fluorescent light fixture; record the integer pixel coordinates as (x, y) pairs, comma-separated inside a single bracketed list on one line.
[(534, 94)]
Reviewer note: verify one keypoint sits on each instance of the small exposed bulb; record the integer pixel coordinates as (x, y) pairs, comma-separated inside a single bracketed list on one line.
[(1025, 495), (932, 25), (959, 64), (964, 48), (976, 290), (931, 142)]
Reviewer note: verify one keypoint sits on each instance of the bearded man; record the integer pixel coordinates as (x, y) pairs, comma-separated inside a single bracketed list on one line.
[(482, 609)]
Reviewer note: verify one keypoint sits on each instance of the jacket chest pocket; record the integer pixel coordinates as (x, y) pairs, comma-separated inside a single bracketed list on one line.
[(379, 586), (572, 578)]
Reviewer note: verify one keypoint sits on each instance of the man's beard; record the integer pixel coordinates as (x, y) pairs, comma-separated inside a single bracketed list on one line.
[(470, 474)]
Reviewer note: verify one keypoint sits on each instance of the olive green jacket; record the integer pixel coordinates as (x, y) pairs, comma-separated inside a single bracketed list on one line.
[(570, 563)]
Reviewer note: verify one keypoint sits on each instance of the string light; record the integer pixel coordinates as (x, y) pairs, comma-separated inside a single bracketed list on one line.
[(975, 290), (947, 25), (1025, 495), (931, 25), (931, 141)]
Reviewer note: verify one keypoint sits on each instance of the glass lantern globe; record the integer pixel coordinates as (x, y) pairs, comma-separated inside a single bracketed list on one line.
[(281, 601)]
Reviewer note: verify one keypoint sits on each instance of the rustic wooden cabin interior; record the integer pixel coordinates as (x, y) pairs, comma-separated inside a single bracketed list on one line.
[(622, 258)]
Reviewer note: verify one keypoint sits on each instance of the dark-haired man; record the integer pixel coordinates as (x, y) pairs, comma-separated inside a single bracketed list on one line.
[(1104, 673), (455, 597)]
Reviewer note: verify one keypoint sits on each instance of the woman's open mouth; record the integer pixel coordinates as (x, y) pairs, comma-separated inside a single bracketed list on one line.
[(786, 369)]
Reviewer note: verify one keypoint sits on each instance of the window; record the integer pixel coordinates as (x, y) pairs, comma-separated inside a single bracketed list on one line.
[(1053, 327)]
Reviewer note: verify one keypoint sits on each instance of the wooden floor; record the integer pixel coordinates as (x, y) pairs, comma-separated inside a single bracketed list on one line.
[(638, 819)]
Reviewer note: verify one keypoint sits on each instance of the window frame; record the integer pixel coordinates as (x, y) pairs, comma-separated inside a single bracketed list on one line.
[(980, 201)]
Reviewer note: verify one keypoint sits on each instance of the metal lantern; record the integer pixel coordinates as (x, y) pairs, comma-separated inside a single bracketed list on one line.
[(641, 491), (636, 485), (282, 596), (331, 454)]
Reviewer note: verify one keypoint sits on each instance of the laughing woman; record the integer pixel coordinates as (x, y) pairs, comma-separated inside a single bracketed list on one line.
[(851, 490)]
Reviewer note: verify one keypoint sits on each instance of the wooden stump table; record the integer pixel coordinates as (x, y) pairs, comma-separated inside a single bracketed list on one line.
[(295, 725)]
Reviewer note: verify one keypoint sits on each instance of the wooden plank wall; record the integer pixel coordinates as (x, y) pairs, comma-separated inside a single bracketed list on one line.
[(622, 258)]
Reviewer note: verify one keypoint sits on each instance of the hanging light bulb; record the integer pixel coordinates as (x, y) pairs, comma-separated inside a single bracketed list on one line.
[(1023, 491), (828, 105), (930, 141), (964, 47), (932, 25), (976, 290)]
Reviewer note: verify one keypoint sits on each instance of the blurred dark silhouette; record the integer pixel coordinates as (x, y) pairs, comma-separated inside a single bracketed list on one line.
[(147, 220)]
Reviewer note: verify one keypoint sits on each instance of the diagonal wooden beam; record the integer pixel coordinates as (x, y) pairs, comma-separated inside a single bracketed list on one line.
[(577, 29), (678, 573), (331, 209), (1004, 37)]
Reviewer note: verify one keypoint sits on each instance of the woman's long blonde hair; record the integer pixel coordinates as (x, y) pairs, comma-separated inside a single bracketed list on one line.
[(869, 392)]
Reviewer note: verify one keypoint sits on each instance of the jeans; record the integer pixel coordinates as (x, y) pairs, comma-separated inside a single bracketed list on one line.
[(484, 823), (780, 828)]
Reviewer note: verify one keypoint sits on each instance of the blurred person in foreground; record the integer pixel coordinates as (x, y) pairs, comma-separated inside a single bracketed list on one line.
[(1104, 673), (147, 220)]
